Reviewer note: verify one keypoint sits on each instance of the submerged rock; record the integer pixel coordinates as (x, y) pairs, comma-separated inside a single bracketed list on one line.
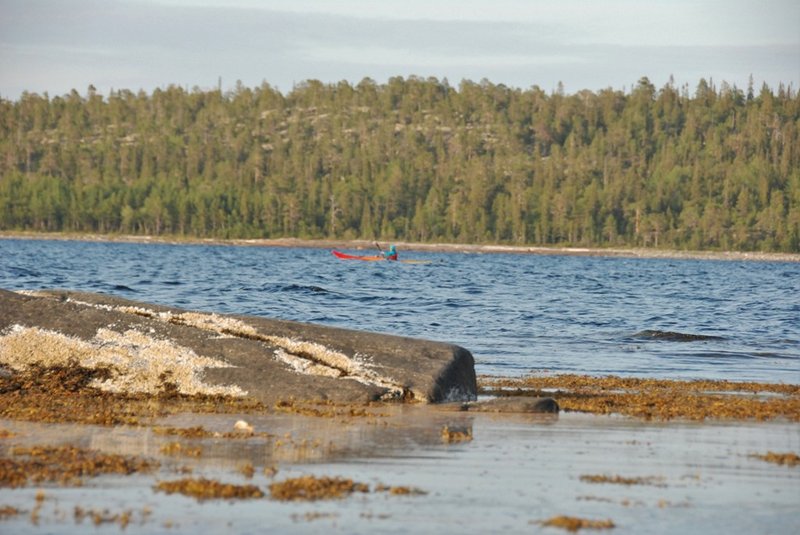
[(146, 348), (510, 404), (671, 336)]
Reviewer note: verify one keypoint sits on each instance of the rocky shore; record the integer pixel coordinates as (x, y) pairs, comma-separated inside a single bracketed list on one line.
[(124, 415), (145, 348)]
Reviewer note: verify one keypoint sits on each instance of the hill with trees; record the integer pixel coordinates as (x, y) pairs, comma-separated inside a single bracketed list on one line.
[(413, 159)]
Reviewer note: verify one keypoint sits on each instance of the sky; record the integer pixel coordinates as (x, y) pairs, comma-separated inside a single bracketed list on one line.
[(55, 46)]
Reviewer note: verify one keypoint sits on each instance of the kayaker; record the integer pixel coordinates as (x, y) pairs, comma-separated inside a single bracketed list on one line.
[(391, 254)]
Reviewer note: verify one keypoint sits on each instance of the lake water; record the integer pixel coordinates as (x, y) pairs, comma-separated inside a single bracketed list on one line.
[(516, 313)]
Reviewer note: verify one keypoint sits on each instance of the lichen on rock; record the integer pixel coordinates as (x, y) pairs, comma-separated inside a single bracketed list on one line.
[(136, 361)]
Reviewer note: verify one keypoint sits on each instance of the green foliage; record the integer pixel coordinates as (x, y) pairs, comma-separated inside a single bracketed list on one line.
[(413, 159)]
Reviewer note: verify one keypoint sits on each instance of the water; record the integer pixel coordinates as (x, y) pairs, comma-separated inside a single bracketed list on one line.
[(516, 313)]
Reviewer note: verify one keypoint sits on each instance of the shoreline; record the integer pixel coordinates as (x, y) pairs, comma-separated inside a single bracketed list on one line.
[(632, 252), (415, 467)]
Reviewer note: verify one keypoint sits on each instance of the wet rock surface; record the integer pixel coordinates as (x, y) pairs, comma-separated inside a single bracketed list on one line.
[(520, 404), (141, 347), (671, 336)]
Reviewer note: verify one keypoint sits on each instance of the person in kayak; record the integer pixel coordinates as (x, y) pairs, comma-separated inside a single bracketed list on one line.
[(391, 254)]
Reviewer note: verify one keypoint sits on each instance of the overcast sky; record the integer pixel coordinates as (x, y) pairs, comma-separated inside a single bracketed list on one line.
[(58, 45)]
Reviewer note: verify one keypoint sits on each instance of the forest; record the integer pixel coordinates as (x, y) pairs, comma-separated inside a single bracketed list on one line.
[(414, 159)]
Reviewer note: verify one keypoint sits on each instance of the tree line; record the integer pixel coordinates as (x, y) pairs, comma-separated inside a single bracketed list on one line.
[(413, 159)]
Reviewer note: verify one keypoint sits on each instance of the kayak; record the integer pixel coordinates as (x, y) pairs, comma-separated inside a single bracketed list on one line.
[(374, 258), (345, 256)]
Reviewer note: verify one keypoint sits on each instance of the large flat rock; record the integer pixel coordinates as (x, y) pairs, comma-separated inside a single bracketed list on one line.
[(146, 346)]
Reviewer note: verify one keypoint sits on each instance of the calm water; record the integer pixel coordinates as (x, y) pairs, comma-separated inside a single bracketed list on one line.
[(516, 313)]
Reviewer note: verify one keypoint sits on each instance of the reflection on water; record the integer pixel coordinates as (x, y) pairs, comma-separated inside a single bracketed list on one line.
[(388, 431), (277, 438), (516, 470)]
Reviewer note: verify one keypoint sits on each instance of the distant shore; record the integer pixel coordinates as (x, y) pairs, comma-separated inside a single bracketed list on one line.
[(633, 252)]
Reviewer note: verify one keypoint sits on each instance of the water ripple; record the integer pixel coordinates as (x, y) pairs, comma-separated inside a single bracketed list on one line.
[(516, 313)]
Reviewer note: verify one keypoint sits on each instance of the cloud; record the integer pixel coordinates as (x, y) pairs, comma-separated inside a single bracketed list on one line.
[(49, 45)]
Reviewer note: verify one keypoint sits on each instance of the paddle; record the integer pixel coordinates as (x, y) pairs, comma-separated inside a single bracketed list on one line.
[(379, 247)]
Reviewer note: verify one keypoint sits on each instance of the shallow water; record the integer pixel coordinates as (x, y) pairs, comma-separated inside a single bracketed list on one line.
[(516, 471), (516, 313)]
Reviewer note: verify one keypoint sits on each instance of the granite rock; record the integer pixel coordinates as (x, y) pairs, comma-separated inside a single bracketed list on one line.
[(147, 345)]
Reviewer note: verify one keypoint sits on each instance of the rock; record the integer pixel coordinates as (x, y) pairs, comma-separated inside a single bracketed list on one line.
[(523, 404), (670, 336), (149, 346), (243, 428)]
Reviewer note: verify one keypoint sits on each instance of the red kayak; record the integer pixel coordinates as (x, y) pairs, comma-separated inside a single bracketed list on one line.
[(374, 258), (345, 256)]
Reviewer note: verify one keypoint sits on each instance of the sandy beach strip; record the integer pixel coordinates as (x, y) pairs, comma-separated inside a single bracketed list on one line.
[(370, 245)]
